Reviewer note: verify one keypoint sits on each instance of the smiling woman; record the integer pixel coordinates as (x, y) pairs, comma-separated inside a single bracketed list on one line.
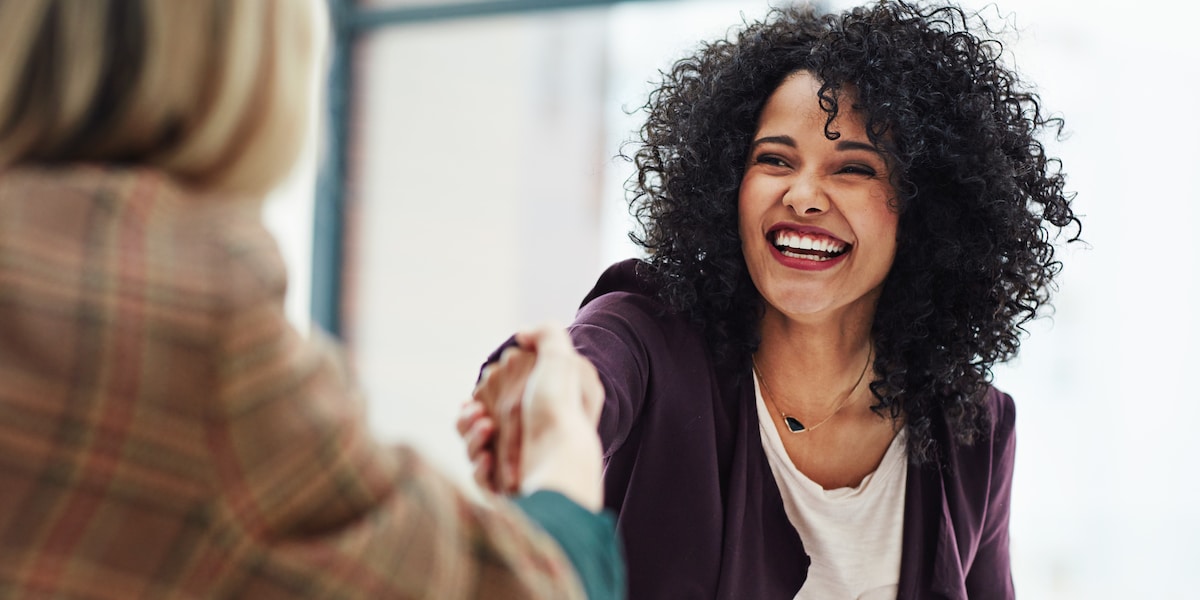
[(848, 220)]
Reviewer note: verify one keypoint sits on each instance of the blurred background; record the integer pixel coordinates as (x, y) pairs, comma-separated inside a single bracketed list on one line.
[(462, 182)]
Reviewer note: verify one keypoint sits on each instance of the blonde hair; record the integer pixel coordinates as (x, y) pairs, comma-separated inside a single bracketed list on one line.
[(214, 92)]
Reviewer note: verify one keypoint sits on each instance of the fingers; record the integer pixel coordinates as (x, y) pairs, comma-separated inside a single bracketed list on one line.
[(478, 431), (508, 446), (499, 395), (483, 472), (476, 428), (470, 412), (515, 367), (495, 377), (480, 436)]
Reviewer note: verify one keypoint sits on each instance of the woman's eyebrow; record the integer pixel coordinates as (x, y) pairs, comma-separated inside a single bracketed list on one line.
[(847, 145), (786, 140)]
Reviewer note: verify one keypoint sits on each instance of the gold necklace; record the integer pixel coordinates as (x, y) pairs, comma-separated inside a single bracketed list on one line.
[(793, 424)]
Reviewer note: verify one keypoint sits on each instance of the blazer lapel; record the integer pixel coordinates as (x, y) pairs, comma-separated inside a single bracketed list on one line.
[(930, 565)]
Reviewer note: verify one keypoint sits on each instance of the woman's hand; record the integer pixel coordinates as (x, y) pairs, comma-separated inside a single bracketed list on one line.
[(532, 421), (478, 431), (491, 422)]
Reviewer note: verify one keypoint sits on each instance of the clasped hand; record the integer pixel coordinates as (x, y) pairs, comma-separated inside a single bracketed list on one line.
[(531, 422)]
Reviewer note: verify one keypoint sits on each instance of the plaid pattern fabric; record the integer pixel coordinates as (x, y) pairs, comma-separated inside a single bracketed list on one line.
[(165, 433)]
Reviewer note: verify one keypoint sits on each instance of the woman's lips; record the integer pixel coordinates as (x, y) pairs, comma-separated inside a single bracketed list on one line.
[(807, 248)]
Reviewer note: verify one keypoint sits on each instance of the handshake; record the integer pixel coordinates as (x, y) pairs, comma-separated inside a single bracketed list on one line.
[(531, 422)]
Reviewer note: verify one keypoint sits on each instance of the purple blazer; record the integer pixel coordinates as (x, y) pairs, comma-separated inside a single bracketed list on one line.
[(697, 505)]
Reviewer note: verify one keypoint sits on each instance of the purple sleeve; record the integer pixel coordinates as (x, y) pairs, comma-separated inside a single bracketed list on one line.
[(618, 334)]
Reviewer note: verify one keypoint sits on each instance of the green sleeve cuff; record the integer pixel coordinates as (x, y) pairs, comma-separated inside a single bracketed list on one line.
[(588, 539)]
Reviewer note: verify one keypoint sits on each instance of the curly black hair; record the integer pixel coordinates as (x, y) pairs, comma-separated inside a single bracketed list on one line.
[(979, 201)]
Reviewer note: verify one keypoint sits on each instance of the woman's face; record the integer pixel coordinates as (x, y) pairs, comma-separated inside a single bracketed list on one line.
[(818, 234)]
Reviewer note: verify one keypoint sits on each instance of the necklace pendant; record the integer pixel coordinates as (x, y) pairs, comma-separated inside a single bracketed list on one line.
[(793, 424)]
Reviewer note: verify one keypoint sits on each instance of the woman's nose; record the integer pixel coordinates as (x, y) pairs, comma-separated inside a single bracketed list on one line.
[(806, 196)]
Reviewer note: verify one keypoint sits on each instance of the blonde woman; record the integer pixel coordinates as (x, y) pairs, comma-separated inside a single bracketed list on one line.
[(164, 432)]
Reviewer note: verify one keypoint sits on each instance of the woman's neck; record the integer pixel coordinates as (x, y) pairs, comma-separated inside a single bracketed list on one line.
[(812, 365)]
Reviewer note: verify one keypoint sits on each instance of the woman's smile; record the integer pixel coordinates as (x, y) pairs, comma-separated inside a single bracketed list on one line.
[(806, 248)]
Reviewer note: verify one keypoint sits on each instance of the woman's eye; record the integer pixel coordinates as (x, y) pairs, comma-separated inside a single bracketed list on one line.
[(770, 159), (858, 170)]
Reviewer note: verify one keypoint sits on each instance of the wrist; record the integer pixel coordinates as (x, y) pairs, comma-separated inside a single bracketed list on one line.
[(566, 460)]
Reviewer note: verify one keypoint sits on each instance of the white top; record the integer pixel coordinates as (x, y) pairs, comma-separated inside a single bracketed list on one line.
[(853, 535)]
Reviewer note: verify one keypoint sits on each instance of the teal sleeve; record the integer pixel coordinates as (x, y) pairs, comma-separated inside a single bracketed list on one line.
[(588, 539)]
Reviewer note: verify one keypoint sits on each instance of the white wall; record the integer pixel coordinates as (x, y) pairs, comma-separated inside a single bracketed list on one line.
[(477, 184)]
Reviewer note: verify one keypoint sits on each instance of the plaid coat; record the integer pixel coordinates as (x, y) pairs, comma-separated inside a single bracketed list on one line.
[(164, 432)]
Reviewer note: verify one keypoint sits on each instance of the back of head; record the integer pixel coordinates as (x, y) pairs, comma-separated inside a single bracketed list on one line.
[(213, 92)]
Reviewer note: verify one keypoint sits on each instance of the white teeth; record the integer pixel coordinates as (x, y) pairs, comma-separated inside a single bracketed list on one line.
[(796, 241), (814, 257)]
